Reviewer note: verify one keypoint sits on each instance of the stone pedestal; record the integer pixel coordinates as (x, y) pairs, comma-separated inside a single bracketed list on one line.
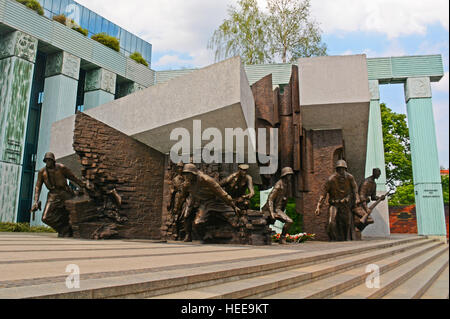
[(17, 56)]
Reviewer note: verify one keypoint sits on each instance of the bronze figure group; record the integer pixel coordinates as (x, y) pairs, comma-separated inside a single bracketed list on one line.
[(348, 212), (195, 198)]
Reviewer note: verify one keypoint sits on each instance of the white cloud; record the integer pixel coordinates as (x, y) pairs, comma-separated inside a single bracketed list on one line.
[(179, 26), (442, 85), (391, 17)]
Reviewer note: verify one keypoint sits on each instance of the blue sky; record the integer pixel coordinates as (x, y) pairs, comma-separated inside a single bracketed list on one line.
[(180, 29)]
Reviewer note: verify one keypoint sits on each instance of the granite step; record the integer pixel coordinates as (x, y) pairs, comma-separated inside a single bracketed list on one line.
[(338, 283), (283, 278), (193, 275), (440, 288), (393, 277), (420, 282)]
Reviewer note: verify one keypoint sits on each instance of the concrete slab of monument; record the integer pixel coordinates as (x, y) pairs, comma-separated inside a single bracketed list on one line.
[(219, 95), (334, 94)]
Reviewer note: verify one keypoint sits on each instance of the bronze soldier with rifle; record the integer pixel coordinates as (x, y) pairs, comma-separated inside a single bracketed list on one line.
[(237, 184), (54, 176), (277, 201), (342, 192)]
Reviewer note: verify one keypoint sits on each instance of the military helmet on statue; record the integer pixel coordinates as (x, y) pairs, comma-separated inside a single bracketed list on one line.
[(190, 168), (341, 163), (287, 171), (49, 155)]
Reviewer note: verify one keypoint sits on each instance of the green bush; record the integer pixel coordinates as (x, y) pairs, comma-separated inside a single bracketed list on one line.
[(136, 56), (81, 30), (107, 40), (33, 5), (24, 228), (61, 18)]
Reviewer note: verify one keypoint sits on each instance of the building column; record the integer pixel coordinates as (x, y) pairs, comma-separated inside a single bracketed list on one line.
[(127, 88), (100, 88), (425, 159), (17, 57), (375, 159), (60, 95)]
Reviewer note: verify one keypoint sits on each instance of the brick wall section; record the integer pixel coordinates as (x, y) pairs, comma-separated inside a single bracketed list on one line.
[(109, 157), (403, 220), (324, 144)]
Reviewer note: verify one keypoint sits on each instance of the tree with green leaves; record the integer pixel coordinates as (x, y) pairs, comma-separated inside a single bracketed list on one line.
[(293, 33), (244, 33), (397, 150), (286, 32)]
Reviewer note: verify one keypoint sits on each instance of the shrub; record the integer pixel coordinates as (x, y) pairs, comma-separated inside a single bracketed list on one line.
[(107, 40), (33, 5), (136, 56), (24, 228), (81, 30), (61, 18)]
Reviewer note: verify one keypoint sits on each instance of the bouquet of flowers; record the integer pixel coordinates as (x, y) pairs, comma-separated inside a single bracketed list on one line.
[(297, 238)]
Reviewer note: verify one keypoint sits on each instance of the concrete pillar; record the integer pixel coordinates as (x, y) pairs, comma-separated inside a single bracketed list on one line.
[(100, 88), (127, 88), (60, 95), (17, 57), (375, 159), (425, 160)]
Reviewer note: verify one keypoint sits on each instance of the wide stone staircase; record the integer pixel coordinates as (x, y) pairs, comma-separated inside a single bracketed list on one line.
[(396, 268), (412, 268)]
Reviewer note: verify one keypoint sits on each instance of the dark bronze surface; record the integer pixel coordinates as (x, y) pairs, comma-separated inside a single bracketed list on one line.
[(55, 176), (342, 193)]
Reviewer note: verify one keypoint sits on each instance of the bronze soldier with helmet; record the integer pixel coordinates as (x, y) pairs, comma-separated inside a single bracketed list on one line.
[(237, 184), (54, 176), (342, 192), (277, 200), (210, 198)]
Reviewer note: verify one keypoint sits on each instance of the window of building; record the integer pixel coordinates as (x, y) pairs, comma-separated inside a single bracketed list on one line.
[(55, 7)]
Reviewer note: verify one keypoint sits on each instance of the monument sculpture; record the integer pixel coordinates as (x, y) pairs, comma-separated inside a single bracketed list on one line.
[(367, 193), (342, 192), (211, 198), (237, 184), (175, 205), (55, 176), (276, 203), (155, 199)]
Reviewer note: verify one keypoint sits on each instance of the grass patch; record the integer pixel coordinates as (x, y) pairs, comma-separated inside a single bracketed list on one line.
[(24, 228)]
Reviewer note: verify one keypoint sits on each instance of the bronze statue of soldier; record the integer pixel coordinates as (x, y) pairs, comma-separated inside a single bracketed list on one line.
[(54, 176), (277, 200), (367, 193), (210, 198), (236, 186), (175, 204), (342, 192)]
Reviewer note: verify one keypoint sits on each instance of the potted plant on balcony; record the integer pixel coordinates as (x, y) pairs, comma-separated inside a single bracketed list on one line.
[(107, 40), (33, 5), (136, 56), (61, 18)]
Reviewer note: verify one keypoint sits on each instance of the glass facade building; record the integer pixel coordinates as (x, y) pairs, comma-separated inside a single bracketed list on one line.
[(95, 23)]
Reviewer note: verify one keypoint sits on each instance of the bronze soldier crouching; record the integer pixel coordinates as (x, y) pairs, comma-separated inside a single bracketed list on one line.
[(55, 176)]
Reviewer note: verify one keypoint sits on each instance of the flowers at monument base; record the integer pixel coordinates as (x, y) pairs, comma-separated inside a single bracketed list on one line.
[(297, 238)]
